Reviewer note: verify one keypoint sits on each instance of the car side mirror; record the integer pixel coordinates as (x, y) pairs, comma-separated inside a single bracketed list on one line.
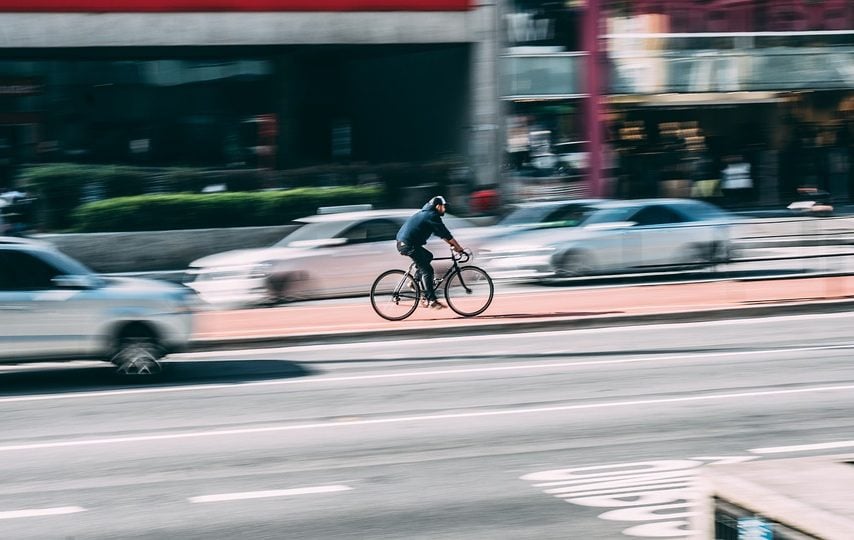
[(75, 282)]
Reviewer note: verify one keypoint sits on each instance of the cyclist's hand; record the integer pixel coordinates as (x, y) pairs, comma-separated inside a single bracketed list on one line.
[(460, 249)]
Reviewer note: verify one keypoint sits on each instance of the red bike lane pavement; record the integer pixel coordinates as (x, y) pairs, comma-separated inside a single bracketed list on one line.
[(549, 307)]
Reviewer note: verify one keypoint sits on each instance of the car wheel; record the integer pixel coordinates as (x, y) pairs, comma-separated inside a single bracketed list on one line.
[(138, 356), (573, 264), (284, 288), (697, 256), (723, 252), (705, 255)]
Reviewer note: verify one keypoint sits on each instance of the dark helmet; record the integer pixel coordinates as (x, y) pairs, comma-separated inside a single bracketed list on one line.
[(437, 200)]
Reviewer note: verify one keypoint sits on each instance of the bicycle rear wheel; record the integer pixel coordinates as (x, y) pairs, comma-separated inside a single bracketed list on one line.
[(469, 291), (395, 295)]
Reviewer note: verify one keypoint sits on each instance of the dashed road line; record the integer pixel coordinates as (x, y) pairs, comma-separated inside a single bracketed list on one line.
[(802, 447), (221, 497), (41, 512)]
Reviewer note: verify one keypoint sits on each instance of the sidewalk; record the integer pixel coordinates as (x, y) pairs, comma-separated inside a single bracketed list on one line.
[(545, 309)]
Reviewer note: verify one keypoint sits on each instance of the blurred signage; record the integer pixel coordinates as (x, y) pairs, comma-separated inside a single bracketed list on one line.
[(20, 86), (115, 6), (538, 23)]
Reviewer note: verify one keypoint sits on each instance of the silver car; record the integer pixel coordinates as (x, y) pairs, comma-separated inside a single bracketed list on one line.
[(612, 237), (328, 255), (54, 308)]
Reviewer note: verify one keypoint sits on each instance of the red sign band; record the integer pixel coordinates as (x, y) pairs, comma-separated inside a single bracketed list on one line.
[(119, 6)]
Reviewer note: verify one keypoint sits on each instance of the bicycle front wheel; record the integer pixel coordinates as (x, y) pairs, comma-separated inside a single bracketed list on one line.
[(469, 291), (395, 294)]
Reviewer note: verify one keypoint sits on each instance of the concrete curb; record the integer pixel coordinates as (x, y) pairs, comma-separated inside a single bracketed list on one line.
[(563, 323)]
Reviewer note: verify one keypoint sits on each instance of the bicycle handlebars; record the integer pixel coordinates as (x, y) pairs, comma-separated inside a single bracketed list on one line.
[(464, 256)]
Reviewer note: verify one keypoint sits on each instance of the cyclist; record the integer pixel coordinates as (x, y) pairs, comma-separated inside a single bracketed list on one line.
[(414, 234)]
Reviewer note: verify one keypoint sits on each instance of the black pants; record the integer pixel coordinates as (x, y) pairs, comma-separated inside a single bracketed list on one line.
[(422, 259)]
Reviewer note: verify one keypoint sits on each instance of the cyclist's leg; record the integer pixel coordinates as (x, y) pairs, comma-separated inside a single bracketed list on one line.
[(422, 259)]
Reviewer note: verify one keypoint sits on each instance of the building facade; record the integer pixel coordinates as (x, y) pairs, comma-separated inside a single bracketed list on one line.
[(539, 97), (275, 84), (685, 89)]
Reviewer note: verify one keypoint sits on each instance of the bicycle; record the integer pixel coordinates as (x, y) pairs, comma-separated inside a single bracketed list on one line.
[(468, 290)]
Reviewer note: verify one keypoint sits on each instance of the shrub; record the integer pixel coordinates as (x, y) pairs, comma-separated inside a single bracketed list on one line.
[(61, 187), (201, 211)]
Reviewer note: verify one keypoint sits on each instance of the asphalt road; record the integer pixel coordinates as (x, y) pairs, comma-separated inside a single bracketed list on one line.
[(539, 435)]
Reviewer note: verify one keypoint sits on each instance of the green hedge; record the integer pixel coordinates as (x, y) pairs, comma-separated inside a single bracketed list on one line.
[(201, 211), (62, 187)]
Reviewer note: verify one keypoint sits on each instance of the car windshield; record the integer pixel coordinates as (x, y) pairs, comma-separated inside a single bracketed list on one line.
[(308, 232), (67, 265), (566, 215)]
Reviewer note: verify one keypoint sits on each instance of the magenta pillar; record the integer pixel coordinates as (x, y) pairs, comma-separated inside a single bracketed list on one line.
[(593, 102)]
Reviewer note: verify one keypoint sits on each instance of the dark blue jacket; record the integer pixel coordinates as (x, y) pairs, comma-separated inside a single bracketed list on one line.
[(418, 227)]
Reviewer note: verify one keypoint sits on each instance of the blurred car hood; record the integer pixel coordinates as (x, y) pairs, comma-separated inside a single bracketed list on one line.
[(249, 256)]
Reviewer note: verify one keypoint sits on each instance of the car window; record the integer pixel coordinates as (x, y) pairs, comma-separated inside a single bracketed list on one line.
[(20, 271), (656, 215), (609, 215), (313, 231), (375, 230), (569, 216), (382, 230)]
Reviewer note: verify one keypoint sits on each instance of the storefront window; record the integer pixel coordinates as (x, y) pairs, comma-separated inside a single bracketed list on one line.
[(544, 140), (157, 112)]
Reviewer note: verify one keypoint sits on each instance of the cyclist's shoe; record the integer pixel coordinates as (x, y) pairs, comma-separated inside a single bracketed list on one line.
[(435, 304)]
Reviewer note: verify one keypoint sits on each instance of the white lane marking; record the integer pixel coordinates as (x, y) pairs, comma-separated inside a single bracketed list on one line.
[(267, 494), (491, 338), (39, 512), (316, 379), (418, 418), (802, 447)]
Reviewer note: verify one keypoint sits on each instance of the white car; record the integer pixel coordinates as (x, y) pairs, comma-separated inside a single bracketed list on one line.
[(328, 255), (52, 308), (612, 237)]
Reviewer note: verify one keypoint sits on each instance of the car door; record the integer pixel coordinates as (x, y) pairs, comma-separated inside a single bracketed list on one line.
[(656, 239), (37, 319), (369, 250)]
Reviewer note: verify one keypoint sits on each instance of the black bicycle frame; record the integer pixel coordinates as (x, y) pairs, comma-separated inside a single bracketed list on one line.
[(453, 268)]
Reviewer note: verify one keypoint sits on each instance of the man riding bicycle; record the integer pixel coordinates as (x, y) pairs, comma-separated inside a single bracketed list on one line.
[(414, 234)]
